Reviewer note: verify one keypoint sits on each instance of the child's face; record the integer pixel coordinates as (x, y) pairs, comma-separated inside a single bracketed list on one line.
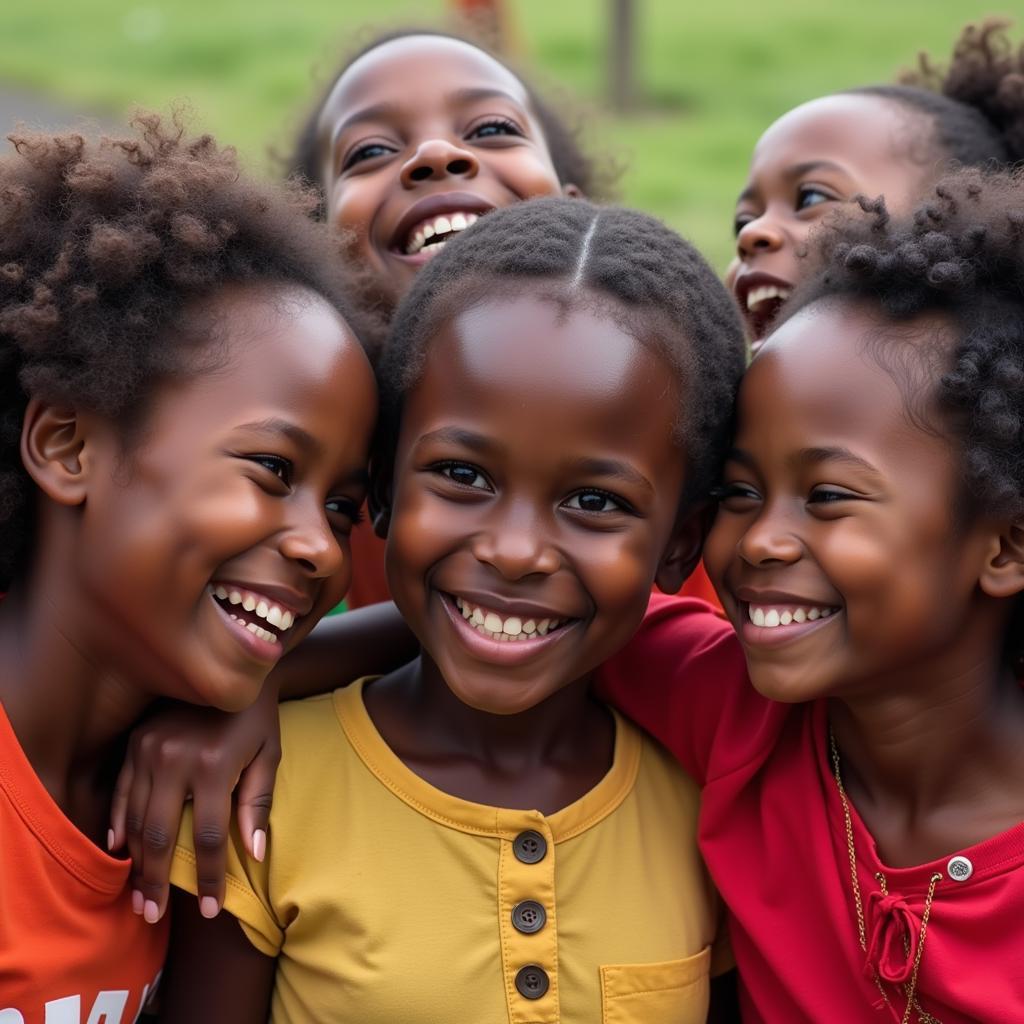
[(835, 550), (822, 153), (420, 137), (536, 490), (244, 484)]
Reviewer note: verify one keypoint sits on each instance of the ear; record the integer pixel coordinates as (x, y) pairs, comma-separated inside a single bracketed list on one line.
[(1003, 572), (53, 451), (682, 553), (571, 191), (379, 499)]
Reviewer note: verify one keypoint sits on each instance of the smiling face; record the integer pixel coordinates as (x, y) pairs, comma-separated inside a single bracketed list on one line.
[(835, 550), (819, 155), (419, 137), (536, 490), (220, 537)]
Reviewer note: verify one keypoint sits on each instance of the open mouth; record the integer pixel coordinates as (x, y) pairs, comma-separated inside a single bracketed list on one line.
[(507, 628), (429, 236), (761, 307), (254, 612)]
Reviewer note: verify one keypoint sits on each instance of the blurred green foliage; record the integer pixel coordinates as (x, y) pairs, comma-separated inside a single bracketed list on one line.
[(713, 75)]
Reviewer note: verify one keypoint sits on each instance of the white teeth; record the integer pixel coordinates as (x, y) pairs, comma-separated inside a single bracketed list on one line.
[(513, 628), (276, 616), (262, 633), (773, 617), (766, 291), (443, 225)]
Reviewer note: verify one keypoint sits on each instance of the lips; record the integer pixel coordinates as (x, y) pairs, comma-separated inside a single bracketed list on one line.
[(268, 613), (760, 297)]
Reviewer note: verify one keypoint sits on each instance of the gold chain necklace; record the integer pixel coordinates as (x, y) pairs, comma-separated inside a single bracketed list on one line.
[(910, 988)]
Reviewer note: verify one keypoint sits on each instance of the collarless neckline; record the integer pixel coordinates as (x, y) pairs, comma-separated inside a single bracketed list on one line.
[(482, 819)]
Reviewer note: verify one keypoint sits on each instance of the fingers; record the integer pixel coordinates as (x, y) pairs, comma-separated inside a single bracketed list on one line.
[(211, 823), (116, 834), (255, 795), (156, 839)]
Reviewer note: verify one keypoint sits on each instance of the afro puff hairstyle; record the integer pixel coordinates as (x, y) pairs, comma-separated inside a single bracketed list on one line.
[(572, 252), (976, 104), (104, 247)]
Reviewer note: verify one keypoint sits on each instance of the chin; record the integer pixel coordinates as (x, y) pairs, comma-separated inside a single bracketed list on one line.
[(786, 687)]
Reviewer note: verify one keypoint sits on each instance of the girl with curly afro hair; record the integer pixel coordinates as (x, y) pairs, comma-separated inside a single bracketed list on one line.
[(892, 140), (862, 809), (185, 415)]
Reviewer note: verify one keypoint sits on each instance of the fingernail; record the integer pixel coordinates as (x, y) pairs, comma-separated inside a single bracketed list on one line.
[(151, 912), (110, 839), (209, 907), (137, 901), (259, 844)]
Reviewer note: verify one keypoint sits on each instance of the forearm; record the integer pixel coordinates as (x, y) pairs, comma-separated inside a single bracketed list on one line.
[(342, 648)]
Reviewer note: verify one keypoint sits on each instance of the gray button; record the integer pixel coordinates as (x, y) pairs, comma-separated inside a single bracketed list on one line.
[(530, 847), (532, 982), (529, 917), (959, 869)]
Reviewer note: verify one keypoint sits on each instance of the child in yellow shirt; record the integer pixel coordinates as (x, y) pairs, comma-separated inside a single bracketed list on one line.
[(474, 836)]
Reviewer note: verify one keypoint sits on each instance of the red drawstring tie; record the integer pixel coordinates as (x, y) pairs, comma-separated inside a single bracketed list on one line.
[(892, 945)]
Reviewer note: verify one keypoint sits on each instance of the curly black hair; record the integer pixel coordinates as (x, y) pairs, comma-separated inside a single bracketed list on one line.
[(570, 251), (571, 163), (961, 256), (975, 104), (105, 245)]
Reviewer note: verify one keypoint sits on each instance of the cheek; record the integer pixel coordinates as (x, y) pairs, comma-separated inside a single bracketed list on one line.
[(353, 207), (720, 549), (527, 174)]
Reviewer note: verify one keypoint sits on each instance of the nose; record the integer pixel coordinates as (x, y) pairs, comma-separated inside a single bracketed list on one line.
[(516, 545), (310, 541), (761, 235), (437, 159), (770, 540)]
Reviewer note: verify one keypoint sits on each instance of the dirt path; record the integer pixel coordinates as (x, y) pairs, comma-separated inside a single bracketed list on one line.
[(23, 105)]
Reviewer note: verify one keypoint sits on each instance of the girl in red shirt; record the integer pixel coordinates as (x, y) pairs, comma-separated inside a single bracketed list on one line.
[(185, 416), (863, 802)]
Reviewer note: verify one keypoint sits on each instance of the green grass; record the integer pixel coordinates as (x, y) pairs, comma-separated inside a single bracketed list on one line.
[(714, 73)]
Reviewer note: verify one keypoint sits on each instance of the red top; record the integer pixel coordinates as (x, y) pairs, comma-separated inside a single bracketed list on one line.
[(773, 836), (71, 950)]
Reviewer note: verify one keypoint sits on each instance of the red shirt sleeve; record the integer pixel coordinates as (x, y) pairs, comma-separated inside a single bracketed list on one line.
[(683, 679)]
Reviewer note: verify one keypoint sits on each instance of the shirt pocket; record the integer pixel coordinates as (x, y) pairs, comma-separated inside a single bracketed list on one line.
[(672, 992)]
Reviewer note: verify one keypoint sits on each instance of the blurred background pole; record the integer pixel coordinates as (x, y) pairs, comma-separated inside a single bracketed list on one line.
[(487, 18), (621, 62)]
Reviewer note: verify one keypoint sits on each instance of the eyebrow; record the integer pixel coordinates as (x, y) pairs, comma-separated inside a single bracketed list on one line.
[(834, 453), (797, 171), (277, 426), (484, 93), (375, 112), (460, 436), (614, 469)]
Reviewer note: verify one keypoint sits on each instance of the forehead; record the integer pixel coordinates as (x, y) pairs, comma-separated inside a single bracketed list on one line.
[(414, 70), (282, 347), (865, 135), (560, 376), (838, 373)]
